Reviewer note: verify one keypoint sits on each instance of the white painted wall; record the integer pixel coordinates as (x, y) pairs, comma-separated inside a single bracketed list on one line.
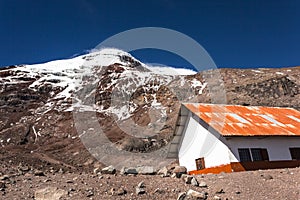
[(277, 147), (199, 142)]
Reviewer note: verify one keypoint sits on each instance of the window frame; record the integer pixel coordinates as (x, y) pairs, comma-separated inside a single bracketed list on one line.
[(254, 154)]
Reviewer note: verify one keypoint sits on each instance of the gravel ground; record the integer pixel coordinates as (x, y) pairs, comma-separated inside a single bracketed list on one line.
[(262, 184)]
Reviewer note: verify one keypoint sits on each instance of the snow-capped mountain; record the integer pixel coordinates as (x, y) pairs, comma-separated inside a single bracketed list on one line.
[(109, 68), (110, 82)]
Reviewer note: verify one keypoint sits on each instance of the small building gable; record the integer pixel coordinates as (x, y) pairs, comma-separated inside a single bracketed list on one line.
[(217, 138)]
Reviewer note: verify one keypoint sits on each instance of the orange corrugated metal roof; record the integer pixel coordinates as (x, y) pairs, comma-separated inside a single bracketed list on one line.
[(235, 120)]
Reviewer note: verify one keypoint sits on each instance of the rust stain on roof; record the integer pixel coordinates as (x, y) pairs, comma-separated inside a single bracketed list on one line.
[(235, 120)]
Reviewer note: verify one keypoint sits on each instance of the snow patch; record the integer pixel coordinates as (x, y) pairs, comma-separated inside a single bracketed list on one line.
[(257, 71), (166, 70), (196, 84)]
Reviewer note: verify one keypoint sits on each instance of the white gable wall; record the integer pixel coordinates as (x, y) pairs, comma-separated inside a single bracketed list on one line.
[(199, 142), (277, 147)]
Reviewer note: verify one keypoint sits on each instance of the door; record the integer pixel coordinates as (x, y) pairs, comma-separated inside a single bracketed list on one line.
[(200, 163)]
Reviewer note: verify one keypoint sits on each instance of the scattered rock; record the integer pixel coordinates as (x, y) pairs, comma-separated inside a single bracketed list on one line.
[(220, 191), (121, 191), (88, 162), (267, 177), (23, 168), (126, 170), (217, 198), (141, 184), (190, 179), (195, 194), (112, 191), (2, 185), (202, 184), (89, 193), (181, 196), (4, 177), (194, 182), (50, 193), (97, 170), (187, 178), (158, 191), (179, 170), (140, 190), (164, 172), (174, 176), (108, 170), (39, 173), (61, 171), (146, 170)]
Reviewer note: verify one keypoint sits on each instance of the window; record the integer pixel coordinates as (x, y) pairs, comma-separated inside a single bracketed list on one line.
[(257, 154), (200, 163), (295, 153), (244, 155)]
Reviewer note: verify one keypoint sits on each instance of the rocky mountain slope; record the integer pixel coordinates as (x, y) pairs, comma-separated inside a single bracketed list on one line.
[(135, 105)]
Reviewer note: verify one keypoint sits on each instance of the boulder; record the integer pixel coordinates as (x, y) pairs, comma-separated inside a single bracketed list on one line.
[(164, 172), (187, 178), (194, 182), (108, 170), (129, 170), (50, 193), (179, 170), (194, 194), (202, 184), (145, 170)]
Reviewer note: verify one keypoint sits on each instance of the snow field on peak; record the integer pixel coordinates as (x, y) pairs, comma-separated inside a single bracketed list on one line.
[(68, 76), (166, 70), (67, 73)]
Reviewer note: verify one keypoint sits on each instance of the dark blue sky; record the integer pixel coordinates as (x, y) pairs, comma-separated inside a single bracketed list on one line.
[(235, 33)]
